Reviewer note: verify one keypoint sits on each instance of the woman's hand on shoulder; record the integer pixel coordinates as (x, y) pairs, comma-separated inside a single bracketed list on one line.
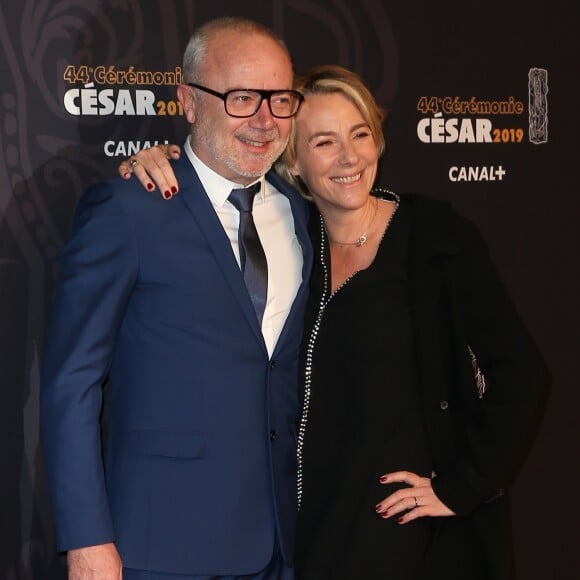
[(151, 167), (416, 501)]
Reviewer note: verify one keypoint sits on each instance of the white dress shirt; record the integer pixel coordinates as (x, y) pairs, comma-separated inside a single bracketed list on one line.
[(275, 225)]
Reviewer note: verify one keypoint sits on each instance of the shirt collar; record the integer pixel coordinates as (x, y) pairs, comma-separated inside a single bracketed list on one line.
[(218, 188)]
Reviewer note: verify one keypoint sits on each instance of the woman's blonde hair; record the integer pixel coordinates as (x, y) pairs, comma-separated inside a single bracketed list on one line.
[(325, 80)]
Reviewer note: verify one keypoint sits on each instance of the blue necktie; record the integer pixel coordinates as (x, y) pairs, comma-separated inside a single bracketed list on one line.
[(252, 257)]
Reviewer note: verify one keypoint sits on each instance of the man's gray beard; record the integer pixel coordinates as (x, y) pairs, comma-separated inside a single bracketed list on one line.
[(255, 174), (229, 162)]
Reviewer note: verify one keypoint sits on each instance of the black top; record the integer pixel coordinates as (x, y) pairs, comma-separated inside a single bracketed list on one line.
[(362, 418)]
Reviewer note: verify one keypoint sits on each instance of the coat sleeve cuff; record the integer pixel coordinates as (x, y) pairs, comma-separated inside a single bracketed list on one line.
[(459, 496)]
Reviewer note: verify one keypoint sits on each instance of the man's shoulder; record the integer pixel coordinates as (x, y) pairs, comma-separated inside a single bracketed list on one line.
[(131, 191), (116, 191)]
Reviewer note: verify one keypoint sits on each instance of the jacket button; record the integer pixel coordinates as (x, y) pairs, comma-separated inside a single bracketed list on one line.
[(443, 405), (272, 434), (272, 364)]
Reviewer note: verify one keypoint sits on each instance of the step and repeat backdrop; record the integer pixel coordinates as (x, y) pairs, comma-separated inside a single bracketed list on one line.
[(482, 111)]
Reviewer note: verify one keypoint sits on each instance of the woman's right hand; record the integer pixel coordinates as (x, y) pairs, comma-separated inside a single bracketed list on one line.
[(151, 167)]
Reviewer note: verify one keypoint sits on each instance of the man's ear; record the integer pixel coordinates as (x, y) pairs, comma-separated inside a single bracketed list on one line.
[(187, 100)]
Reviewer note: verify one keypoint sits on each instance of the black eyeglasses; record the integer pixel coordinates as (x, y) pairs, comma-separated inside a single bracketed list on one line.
[(246, 102)]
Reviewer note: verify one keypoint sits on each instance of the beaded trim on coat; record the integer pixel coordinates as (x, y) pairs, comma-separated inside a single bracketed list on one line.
[(324, 301)]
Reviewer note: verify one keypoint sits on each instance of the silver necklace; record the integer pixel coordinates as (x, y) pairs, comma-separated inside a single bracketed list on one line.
[(362, 239)]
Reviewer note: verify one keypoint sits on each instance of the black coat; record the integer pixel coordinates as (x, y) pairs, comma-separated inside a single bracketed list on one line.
[(458, 301)]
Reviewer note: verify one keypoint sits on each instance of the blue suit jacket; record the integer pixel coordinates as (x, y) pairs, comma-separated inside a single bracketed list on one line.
[(151, 296)]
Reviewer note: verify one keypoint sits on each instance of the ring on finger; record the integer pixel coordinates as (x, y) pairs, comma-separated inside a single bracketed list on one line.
[(416, 502), (132, 162)]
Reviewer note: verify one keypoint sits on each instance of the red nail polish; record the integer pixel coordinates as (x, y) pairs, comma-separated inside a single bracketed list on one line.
[(383, 478), (167, 194), (173, 189), (400, 521), (150, 186)]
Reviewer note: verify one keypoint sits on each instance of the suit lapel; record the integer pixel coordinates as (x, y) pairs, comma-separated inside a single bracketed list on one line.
[(204, 215)]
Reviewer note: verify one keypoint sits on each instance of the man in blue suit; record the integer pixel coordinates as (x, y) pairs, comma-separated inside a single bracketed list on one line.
[(199, 478)]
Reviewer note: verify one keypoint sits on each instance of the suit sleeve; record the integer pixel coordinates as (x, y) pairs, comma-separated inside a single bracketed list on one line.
[(97, 272), (496, 426)]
